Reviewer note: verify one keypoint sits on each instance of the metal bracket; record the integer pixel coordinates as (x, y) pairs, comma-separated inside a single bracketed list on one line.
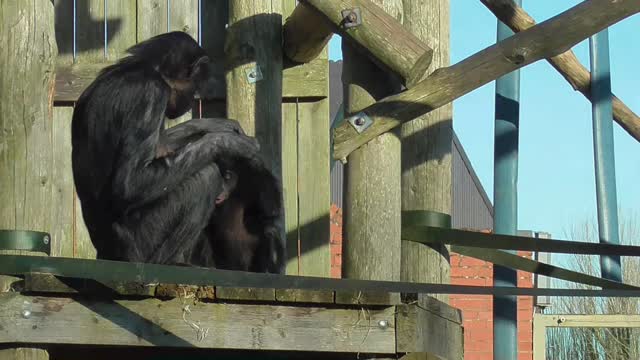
[(25, 240), (254, 74), (360, 121), (351, 18)]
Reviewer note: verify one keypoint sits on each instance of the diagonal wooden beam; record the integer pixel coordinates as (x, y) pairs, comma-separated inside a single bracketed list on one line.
[(567, 64), (544, 40), (363, 23)]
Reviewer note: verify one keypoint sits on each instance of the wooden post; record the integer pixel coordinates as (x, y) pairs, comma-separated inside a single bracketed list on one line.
[(426, 150), (254, 74), (567, 64), (372, 175), (364, 23), (544, 40), (27, 56)]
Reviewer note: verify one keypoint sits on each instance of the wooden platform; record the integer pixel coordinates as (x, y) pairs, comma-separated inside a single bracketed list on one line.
[(51, 311)]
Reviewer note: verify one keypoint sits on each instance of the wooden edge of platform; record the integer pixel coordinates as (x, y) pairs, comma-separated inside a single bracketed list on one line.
[(187, 323)]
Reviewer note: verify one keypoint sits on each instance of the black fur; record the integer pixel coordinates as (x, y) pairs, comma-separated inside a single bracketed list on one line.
[(148, 195)]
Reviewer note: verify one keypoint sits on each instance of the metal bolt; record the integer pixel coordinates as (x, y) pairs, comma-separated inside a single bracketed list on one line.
[(383, 324), (46, 239), (352, 17), (359, 121), (252, 74), (26, 313), (561, 320)]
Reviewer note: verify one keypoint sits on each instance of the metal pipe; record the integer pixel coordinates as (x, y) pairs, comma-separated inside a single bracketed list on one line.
[(605, 169), (505, 200)]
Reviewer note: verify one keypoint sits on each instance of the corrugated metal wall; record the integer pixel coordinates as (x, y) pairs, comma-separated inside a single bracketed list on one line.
[(472, 208)]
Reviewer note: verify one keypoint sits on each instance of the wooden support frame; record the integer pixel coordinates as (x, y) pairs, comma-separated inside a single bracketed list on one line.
[(544, 40), (542, 321), (301, 81), (67, 311), (567, 64), (364, 24)]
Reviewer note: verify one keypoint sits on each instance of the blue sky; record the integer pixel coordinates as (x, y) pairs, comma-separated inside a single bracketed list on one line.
[(556, 185)]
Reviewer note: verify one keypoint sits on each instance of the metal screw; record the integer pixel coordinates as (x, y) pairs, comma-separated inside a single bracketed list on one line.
[(352, 17), (383, 324), (46, 240), (26, 314), (26, 309), (561, 320), (252, 74), (359, 121)]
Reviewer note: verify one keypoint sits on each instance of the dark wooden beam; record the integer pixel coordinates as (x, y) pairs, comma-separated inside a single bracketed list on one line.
[(301, 81), (547, 39), (374, 31), (566, 63)]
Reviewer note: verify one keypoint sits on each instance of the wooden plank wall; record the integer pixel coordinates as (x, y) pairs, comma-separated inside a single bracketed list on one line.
[(305, 120)]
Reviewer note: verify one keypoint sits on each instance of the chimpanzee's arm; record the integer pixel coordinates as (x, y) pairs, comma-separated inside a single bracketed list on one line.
[(189, 131), (140, 177)]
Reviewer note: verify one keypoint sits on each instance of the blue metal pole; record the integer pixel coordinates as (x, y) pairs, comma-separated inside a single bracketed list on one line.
[(505, 202), (602, 113)]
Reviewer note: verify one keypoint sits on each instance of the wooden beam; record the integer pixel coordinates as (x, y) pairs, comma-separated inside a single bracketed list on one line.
[(544, 40), (154, 322), (377, 34), (567, 64), (306, 80), (305, 34)]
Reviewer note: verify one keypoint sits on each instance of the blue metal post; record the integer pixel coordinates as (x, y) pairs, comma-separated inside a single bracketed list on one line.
[(505, 202), (602, 113)]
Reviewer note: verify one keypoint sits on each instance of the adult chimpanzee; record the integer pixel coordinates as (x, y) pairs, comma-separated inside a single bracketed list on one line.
[(149, 194)]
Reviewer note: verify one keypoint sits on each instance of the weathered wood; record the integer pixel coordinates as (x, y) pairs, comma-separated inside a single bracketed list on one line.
[(567, 64), (28, 52), (153, 322), (290, 184), (229, 293), (371, 248), (420, 329), (47, 283), (305, 34), (380, 35), (426, 151), (24, 354), (27, 57), (302, 81), (305, 296), (369, 298), (314, 187), (544, 40)]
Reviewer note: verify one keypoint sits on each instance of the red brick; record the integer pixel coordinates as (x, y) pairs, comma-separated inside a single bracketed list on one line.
[(469, 281), (472, 271), (478, 355)]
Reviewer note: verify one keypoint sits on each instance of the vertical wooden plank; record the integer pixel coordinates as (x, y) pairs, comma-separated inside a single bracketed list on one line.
[(62, 189), (62, 192), (314, 190), (90, 31), (27, 63), (121, 27), (426, 149), (152, 18), (290, 183), (215, 15), (290, 170)]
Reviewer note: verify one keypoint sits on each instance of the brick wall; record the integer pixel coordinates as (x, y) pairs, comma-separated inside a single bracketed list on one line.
[(477, 310), (335, 240)]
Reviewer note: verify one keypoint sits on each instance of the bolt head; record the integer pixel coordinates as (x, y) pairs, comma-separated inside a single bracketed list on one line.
[(26, 313), (383, 324), (46, 240), (359, 121)]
